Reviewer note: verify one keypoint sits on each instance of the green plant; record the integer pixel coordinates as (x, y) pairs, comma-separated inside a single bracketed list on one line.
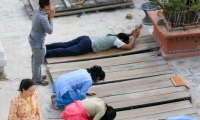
[(179, 13)]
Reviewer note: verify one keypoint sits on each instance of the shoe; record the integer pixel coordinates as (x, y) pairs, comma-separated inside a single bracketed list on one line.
[(55, 106), (44, 77), (42, 82)]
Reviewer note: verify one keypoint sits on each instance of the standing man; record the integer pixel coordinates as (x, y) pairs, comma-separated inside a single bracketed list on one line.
[(41, 24)]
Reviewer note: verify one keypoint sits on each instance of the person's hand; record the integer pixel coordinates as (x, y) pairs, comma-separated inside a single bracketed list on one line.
[(91, 93), (133, 31), (136, 33), (51, 14), (137, 27)]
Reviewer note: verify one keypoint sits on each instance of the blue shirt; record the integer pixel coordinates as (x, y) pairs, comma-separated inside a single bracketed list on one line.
[(76, 83)]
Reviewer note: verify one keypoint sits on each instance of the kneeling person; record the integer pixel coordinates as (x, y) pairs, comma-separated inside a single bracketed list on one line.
[(88, 109)]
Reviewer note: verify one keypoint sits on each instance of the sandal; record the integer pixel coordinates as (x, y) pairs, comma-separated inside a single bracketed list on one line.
[(42, 82), (44, 77), (55, 106)]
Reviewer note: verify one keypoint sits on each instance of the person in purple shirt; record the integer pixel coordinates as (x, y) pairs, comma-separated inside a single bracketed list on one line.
[(74, 85), (41, 25)]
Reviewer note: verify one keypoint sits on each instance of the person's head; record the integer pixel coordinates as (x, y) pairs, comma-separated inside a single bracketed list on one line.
[(27, 87), (110, 113), (45, 4), (96, 73), (123, 37)]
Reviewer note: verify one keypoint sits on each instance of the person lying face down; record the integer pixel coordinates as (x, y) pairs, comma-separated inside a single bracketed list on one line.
[(88, 109), (74, 85), (96, 43)]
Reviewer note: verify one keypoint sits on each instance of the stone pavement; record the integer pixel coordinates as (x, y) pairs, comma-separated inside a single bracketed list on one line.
[(15, 26)]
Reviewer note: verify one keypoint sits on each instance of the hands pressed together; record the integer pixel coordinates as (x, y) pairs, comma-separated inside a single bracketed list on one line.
[(51, 14), (91, 93), (135, 33)]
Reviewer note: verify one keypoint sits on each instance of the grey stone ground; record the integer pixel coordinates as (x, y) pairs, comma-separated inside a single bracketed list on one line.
[(15, 25)]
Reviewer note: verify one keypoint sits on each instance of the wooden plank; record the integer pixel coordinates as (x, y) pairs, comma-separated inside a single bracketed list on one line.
[(125, 75), (67, 4), (105, 62), (131, 66), (122, 115), (32, 4), (132, 88), (131, 83), (28, 7), (94, 8), (122, 67), (90, 6), (163, 116), (142, 94), (151, 100), (128, 74), (104, 54)]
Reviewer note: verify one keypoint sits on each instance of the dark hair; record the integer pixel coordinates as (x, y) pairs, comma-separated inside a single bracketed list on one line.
[(96, 71), (25, 84), (110, 113), (44, 3), (122, 36)]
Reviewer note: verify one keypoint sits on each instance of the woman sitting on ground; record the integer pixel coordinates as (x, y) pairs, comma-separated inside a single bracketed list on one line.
[(25, 106), (88, 109), (74, 85)]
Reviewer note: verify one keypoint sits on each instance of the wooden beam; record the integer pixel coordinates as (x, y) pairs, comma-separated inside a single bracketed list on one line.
[(67, 4), (153, 110), (32, 4)]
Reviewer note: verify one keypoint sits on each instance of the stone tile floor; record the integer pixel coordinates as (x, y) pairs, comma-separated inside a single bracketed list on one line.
[(15, 26)]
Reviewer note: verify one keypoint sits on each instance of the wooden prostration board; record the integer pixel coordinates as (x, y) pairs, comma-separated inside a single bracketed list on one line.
[(149, 98), (143, 43), (159, 112), (118, 68), (68, 7), (141, 92)]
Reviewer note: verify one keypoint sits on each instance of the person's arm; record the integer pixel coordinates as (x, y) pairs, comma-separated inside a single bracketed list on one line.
[(47, 24), (130, 34), (138, 26), (99, 114), (132, 42), (84, 90)]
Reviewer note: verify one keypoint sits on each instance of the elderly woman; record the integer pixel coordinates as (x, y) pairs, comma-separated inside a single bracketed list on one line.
[(25, 106), (74, 85), (88, 109)]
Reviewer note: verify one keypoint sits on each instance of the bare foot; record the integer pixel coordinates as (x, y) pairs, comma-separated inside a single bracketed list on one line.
[(80, 2), (139, 26)]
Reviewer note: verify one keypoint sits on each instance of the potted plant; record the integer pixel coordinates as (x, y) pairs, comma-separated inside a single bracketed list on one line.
[(177, 27)]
